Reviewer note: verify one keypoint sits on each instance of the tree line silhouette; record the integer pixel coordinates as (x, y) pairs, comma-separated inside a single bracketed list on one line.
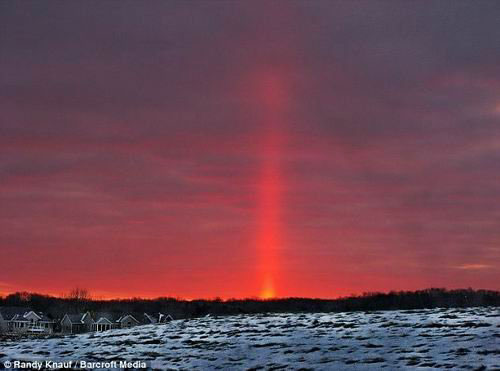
[(80, 300)]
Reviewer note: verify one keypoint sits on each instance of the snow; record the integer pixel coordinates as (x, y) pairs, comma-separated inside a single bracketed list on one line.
[(422, 339)]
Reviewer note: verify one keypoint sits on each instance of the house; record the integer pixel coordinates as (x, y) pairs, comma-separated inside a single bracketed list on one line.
[(26, 321), (76, 323), (29, 322), (100, 321), (149, 319), (105, 321), (32, 322), (156, 318), (6, 315), (164, 318), (128, 321)]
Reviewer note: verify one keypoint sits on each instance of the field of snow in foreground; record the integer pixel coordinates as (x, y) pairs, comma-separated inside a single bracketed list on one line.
[(437, 338)]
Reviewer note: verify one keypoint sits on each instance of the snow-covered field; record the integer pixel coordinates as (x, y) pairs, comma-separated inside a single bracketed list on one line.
[(438, 338)]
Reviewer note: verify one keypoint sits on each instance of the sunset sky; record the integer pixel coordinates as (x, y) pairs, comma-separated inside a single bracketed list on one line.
[(249, 149)]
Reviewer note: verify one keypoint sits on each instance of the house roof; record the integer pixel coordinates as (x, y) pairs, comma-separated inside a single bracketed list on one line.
[(21, 317), (127, 316), (37, 314), (102, 320), (110, 316), (148, 318), (75, 318), (9, 312), (44, 317), (164, 317), (156, 318)]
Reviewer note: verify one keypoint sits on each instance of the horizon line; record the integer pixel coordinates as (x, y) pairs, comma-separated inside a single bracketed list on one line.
[(255, 298)]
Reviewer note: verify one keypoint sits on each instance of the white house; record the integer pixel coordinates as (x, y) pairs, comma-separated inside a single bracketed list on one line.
[(164, 318), (76, 323), (150, 319), (105, 321), (156, 318), (26, 321), (128, 321), (6, 315)]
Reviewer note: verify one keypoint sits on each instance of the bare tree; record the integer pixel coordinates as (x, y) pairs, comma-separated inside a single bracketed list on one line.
[(79, 294), (79, 299)]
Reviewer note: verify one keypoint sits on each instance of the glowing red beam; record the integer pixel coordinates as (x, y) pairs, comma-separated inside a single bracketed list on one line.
[(270, 231)]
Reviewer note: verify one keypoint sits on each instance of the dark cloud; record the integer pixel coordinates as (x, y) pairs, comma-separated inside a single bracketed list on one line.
[(137, 134)]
